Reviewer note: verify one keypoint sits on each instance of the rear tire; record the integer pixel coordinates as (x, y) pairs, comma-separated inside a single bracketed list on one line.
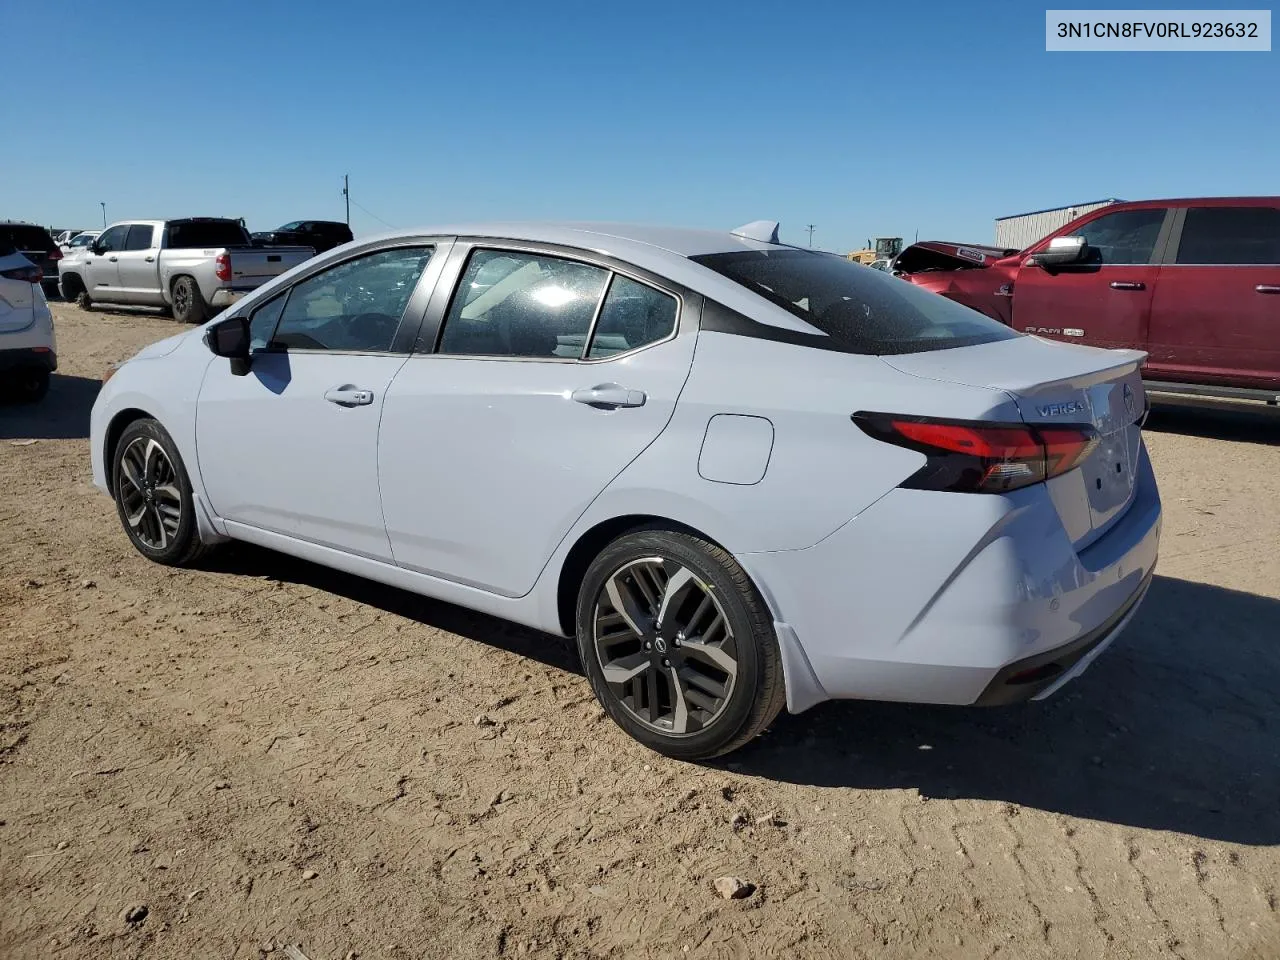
[(704, 681), (188, 301), (153, 496), (30, 386)]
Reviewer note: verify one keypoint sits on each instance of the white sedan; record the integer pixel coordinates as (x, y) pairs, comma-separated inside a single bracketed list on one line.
[(740, 473)]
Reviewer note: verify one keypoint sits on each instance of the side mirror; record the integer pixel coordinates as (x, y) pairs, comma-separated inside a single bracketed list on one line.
[(230, 338), (95, 248), (1061, 251)]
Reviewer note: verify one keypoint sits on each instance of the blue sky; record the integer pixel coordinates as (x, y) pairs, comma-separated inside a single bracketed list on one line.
[(863, 119)]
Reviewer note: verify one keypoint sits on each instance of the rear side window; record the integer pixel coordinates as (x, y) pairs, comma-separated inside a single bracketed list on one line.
[(1230, 235), (514, 304), (1127, 236), (633, 315), (139, 237), (861, 310)]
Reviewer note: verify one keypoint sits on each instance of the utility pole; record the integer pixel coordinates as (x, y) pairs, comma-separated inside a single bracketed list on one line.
[(103, 204), (346, 193), (810, 228)]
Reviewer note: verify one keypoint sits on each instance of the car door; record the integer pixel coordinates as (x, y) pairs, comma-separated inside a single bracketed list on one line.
[(1105, 300), (139, 273), (102, 264), (551, 374), (1216, 313), (291, 447)]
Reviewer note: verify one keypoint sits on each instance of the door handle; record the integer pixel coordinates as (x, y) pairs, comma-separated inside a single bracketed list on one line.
[(1127, 285), (149, 259), (609, 396), (1267, 288), (113, 259), (349, 396)]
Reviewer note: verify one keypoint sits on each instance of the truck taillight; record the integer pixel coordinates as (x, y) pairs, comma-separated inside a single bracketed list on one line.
[(974, 457), (29, 274), (55, 254), (222, 266)]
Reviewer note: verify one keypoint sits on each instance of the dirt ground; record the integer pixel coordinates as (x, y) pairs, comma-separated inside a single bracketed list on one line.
[(220, 763)]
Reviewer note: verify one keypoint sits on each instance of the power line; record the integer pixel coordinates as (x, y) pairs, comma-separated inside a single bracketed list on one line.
[(372, 214)]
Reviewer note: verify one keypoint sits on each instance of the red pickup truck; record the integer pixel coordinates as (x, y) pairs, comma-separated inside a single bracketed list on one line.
[(1195, 283)]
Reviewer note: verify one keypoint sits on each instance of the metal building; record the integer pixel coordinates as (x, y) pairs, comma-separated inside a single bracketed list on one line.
[(1023, 229)]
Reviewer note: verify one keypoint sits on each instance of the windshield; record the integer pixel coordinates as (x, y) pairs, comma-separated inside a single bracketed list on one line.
[(863, 311), (206, 233)]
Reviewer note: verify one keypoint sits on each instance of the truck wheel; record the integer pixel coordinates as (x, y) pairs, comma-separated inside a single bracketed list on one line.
[(188, 303)]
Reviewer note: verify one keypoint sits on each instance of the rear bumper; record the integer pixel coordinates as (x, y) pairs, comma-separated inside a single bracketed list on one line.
[(1036, 677), (226, 296), (28, 358), (942, 598)]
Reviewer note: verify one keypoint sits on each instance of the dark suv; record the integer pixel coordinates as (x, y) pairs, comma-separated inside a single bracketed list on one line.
[(34, 243), (320, 235)]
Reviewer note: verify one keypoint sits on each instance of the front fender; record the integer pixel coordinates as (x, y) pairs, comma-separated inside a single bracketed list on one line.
[(164, 388)]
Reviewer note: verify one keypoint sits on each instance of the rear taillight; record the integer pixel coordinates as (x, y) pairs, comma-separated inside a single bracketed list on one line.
[(975, 457), (55, 254), (222, 266), (29, 274)]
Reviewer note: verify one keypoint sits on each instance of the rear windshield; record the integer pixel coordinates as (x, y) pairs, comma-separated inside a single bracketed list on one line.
[(20, 236), (206, 233), (863, 311)]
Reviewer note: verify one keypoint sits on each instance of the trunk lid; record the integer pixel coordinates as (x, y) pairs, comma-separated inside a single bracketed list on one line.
[(1057, 384)]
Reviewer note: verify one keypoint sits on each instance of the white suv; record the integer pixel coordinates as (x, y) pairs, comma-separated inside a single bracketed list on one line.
[(28, 351)]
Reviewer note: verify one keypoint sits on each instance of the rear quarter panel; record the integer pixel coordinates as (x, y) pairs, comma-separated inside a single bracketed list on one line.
[(821, 469)]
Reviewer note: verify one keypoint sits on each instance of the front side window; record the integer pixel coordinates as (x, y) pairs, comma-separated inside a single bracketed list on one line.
[(355, 307), (1230, 235), (514, 304), (263, 322), (861, 310), (138, 237), (1127, 236), (113, 239)]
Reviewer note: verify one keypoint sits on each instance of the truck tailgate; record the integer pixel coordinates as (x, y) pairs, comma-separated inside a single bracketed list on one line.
[(251, 268)]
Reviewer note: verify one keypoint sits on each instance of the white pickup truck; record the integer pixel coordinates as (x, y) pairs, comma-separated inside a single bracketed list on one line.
[(195, 267)]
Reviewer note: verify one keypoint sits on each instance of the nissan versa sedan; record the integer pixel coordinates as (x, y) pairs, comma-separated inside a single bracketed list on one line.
[(743, 475)]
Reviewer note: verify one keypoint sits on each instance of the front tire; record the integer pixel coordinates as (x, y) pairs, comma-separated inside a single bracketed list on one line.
[(188, 301), (678, 644), (153, 496)]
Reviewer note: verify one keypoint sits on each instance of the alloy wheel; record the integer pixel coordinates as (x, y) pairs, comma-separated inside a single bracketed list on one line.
[(181, 297), (665, 646), (149, 493)]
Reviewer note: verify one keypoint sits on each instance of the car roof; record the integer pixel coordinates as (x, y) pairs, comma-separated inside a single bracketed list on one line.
[(610, 238)]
